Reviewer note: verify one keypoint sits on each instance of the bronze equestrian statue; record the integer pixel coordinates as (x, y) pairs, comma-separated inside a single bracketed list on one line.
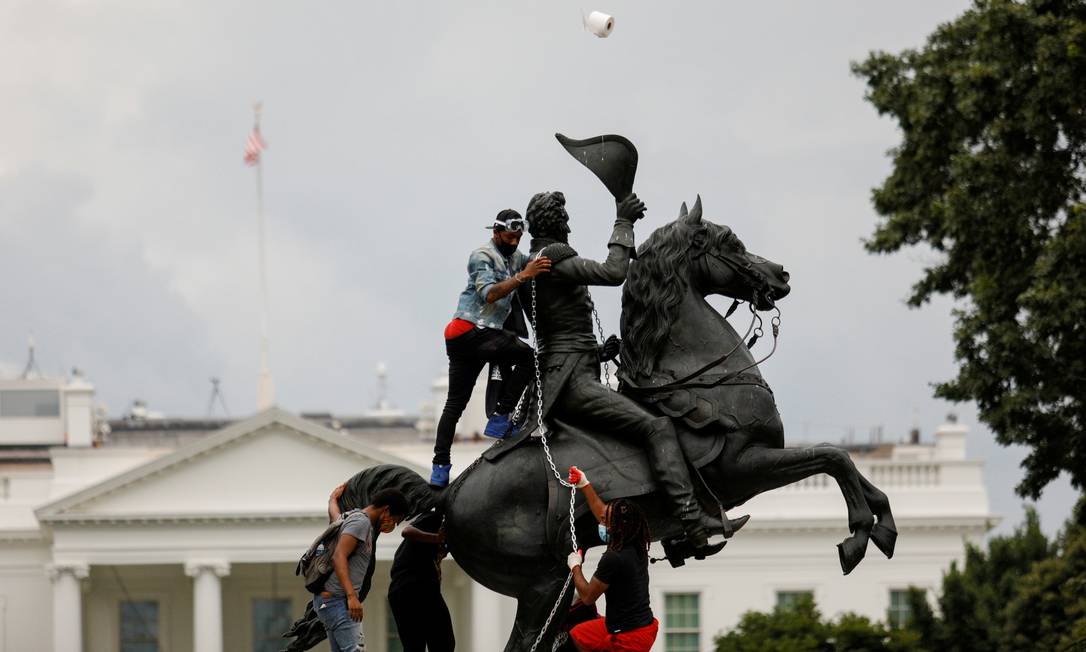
[(507, 517)]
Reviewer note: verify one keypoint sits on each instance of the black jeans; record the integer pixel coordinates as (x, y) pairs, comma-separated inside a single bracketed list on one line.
[(422, 619), (468, 354)]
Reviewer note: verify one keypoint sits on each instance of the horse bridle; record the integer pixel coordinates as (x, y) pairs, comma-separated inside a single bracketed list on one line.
[(760, 287), (761, 290)]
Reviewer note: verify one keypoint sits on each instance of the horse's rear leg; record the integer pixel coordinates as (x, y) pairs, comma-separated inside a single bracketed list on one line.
[(884, 532), (534, 606), (757, 469)]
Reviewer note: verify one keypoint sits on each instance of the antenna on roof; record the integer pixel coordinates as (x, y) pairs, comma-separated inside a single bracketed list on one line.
[(382, 386), (31, 362), (216, 393)]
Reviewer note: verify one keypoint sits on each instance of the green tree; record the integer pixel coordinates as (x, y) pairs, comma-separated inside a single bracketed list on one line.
[(800, 628), (990, 175), (797, 628), (974, 599), (1048, 611), (1022, 593)]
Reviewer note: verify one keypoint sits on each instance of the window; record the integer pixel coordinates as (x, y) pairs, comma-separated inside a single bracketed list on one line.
[(271, 617), (392, 635), (30, 403), (682, 622), (899, 613), (139, 626), (789, 599)]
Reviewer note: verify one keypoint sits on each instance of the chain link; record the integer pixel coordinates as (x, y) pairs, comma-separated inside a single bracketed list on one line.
[(606, 364), (550, 616), (550, 459), (542, 426)]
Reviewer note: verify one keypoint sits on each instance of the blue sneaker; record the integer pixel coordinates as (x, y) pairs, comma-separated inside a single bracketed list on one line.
[(439, 477), (498, 426)]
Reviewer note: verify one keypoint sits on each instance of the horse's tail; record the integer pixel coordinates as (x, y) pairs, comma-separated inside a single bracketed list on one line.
[(361, 488)]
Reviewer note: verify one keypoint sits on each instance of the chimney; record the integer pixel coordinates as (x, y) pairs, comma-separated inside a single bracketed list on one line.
[(79, 411), (950, 439)]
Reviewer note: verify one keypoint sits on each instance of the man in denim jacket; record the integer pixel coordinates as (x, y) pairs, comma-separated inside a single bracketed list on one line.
[(487, 328)]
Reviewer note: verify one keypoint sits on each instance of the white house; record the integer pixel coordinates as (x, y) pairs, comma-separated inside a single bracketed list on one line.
[(182, 535)]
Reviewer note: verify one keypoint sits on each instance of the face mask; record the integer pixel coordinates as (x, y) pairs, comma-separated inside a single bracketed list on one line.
[(602, 531), (506, 249)]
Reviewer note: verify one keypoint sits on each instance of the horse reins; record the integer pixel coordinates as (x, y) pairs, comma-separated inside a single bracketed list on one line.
[(685, 381)]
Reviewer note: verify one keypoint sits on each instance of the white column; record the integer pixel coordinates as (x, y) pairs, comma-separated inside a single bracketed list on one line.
[(67, 605), (207, 603), (490, 624)]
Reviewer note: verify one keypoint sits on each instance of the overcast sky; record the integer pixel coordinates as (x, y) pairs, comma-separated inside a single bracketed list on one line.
[(396, 131)]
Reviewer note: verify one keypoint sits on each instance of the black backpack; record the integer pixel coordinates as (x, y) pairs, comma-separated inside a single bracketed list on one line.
[(316, 565)]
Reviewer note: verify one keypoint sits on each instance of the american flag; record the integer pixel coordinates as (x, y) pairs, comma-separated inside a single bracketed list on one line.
[(254, 146)]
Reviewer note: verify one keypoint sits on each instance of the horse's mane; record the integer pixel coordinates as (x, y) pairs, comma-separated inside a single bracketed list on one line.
[(654, 287)]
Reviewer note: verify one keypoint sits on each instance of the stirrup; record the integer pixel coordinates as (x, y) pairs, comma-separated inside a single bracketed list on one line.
[(677, 551)]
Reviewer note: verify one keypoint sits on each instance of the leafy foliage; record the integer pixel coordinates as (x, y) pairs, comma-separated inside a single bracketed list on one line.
[(1048, 611), (973, 601), (800, 628), (990, 175), (1023, 594)]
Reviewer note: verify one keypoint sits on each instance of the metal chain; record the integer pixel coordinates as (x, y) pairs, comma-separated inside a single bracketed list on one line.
[(599, 328), (550, 616), (542, 427), (550, 461)]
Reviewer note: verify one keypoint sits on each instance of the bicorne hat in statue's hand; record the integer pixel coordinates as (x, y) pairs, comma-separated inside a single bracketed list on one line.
[(612, 158)]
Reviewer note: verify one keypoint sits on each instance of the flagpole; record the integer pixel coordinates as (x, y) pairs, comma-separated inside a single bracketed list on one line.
[(265, 386)]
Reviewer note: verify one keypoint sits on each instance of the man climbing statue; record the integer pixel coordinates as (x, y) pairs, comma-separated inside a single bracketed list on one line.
[(570, 356), (486, 328)]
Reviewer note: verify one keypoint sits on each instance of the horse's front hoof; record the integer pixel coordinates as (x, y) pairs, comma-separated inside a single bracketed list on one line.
[(852, 551), (884, 538)]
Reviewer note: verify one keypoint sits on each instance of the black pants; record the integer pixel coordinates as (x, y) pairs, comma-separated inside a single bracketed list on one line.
[(422, 619), (468, 354)]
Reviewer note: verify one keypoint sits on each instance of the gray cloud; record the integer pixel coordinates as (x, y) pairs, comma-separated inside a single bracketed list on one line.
[(396, 130)]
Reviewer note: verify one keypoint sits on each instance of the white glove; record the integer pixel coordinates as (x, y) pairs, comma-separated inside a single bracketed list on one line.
[(577, 478), (574, 559)]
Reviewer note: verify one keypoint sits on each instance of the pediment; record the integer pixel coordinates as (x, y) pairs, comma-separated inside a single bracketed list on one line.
[(272, 465)]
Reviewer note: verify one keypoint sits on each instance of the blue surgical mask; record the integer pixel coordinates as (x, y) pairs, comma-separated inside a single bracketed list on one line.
[(604, 537)]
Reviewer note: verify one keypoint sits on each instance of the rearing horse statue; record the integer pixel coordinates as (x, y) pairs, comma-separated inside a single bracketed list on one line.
[(507, 517)]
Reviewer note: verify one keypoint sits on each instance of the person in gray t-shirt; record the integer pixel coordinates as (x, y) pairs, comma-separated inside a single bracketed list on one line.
[(357, 525), (339, 606)]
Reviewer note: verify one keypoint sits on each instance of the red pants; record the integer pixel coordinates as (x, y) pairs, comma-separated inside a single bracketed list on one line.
[(592, 636)]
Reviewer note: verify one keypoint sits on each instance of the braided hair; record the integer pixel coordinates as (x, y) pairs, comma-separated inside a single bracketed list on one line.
[(628, 527)]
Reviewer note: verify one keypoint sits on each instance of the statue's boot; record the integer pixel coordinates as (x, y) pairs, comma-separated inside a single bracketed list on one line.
[(669, 466), (726, 526)]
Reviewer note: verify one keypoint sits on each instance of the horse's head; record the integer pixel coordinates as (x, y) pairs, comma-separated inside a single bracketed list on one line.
[(720, 264), (688, 255)]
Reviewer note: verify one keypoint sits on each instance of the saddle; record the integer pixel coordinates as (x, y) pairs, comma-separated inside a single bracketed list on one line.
[(618, 468)]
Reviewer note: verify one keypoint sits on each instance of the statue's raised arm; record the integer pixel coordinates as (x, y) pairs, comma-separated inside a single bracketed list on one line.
[(550, 231)]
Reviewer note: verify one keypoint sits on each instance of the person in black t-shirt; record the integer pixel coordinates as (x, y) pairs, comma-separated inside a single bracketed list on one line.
[(414, 594), (622, 575)]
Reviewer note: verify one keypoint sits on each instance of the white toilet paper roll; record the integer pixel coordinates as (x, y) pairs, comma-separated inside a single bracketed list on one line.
[(599, 24)]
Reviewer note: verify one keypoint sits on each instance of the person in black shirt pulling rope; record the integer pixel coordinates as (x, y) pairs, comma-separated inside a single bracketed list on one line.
[(622, 575), (422, 617)]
